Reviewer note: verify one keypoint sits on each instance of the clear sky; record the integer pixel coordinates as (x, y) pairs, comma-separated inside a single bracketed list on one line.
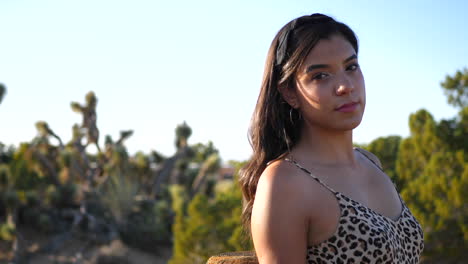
[(154, 64)]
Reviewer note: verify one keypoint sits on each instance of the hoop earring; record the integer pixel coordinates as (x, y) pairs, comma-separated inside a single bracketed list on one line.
[(286, 140), (290, 115)]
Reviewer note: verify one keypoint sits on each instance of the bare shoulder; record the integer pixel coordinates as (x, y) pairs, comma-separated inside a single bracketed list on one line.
[(281, 172), (371, 156), (285, 181), (279, 218)]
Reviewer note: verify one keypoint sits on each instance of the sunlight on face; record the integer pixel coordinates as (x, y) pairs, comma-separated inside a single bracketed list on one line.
[(330, 85)]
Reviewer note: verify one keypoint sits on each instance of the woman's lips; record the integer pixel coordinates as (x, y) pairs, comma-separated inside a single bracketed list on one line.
[(346, 108)]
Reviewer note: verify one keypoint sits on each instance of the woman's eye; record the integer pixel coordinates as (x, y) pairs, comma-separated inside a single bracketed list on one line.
[(319, 76), (353, 67)]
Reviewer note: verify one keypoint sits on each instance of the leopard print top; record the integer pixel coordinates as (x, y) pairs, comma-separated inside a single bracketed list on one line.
[(365, 236)]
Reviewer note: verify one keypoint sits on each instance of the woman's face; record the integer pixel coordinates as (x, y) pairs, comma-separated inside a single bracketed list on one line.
[(330, 90)]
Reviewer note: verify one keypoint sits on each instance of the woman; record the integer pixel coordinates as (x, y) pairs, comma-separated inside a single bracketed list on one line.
[(309, 195)]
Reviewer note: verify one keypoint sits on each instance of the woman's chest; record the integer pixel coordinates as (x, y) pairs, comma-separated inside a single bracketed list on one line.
[(366, 236), (368, 186)]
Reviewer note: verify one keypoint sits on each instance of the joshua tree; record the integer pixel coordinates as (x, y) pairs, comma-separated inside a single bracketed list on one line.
[(124, 135), (116, 154), (42, 156), (44, 131), (183, 132), (89, 118), (210, 165)]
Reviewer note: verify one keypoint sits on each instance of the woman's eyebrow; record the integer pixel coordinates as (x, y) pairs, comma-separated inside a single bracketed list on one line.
[(350, 58), (319, 66)]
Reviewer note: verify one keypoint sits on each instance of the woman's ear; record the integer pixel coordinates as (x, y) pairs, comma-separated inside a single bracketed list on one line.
[(290, 96)]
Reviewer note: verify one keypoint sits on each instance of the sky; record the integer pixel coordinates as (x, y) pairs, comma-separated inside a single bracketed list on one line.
[(156, 64)]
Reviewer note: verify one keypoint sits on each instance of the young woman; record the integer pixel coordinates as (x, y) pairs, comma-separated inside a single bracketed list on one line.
[(308, 193)]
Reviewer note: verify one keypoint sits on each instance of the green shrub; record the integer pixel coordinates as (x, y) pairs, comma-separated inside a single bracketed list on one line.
[(7, 231), (148, 226), (209, 227)]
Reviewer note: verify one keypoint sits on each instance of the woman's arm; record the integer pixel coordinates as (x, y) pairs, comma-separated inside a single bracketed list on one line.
[(279, 218)]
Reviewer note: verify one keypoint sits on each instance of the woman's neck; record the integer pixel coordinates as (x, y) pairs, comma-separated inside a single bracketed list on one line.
[(326, 147)]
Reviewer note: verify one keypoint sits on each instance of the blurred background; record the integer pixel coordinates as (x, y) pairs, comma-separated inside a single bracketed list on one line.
[(124, 123)]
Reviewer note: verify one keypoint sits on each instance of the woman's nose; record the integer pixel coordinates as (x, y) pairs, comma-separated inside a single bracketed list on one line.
[(345, 86)]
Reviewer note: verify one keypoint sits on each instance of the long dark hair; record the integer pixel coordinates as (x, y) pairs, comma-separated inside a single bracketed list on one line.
[(275, 125)]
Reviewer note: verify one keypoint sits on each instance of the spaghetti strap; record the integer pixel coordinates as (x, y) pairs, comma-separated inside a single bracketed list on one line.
[(381, 169), (310, 174), (371, 160)]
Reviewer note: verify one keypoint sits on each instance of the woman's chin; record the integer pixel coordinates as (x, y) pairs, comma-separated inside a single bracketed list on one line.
[(352, 124)]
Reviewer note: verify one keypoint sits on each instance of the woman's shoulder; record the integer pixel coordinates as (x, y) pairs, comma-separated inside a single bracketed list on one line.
[(282, 180), (280, 190), (283, 173), (370, 156), (279, 218)]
